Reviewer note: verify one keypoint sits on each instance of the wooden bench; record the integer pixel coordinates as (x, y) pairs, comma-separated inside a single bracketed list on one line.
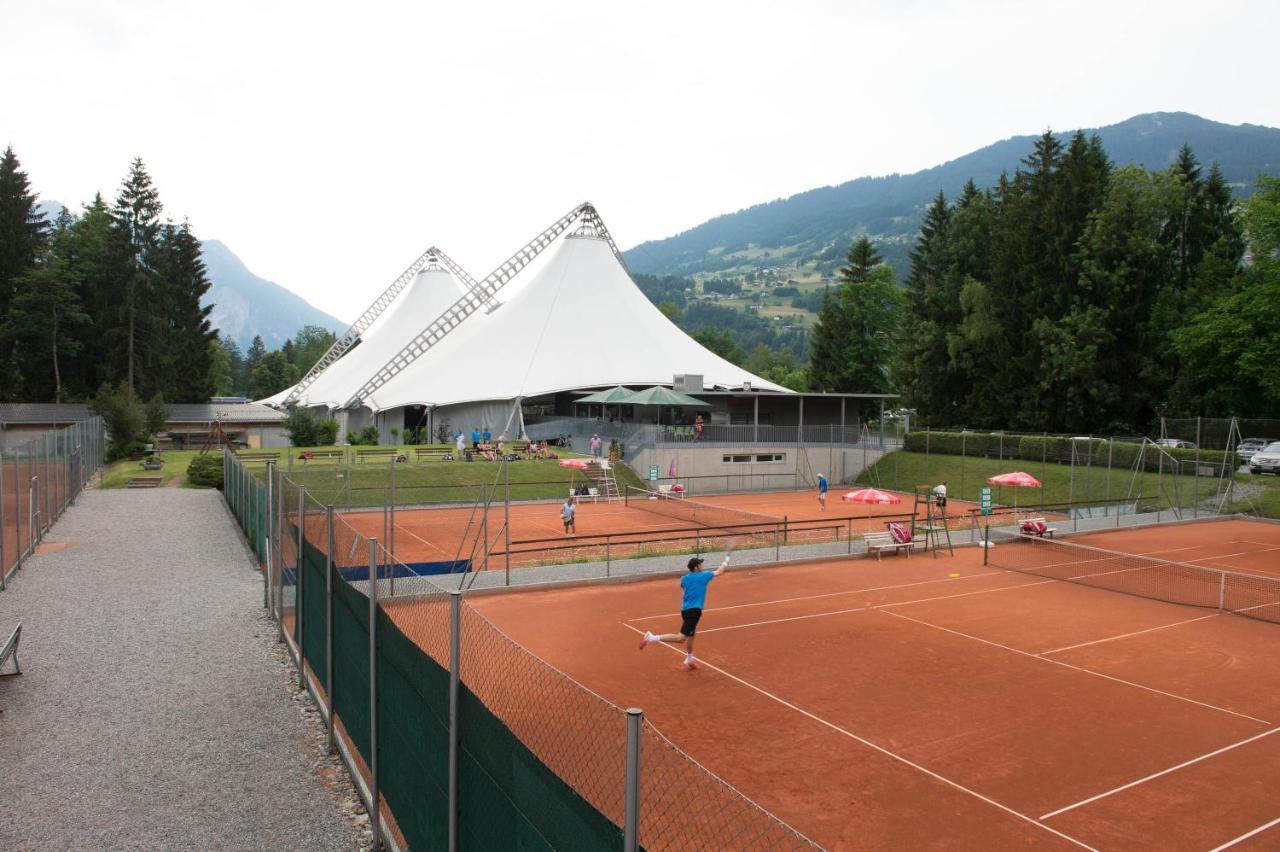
[(257, 458), (1048, 530), (879, 542), (332, 455), (10, 649), (145, 482), (376, 454), (420, 453)]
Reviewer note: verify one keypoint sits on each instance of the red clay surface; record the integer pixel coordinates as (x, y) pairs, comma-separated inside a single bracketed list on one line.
[(537, 534), (940, 703), (1251, 547)]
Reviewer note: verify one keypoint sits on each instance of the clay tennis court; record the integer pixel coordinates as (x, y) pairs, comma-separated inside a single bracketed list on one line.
[(942, 702), (425, 535)]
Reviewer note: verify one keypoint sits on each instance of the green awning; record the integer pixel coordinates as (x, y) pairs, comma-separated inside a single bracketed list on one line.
[(663, 396), (609, 397)]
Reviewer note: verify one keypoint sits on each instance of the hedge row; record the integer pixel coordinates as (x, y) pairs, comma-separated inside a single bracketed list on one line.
[(1116, 454)]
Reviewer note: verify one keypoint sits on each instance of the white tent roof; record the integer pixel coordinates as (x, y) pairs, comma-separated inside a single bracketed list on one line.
[(432, 291), (581, 322)]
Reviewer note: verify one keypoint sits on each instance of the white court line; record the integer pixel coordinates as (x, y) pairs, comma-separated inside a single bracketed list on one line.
[(1077, 668), (1246, 835), (1229, 555), (877, 606), (421, 539), (832, 594), (878, 748), (1134, 633), (1155, 775)]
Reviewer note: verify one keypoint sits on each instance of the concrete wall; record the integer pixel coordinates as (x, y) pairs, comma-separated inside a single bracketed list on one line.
[(703, 470)]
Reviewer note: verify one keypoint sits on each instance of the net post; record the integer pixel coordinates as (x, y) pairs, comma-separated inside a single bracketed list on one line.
[(849, 535), (631, 830), (375, 815), (777, 542), (506, 520), (1222, 590), (607, 556), (986, 544), (328, 626), (455, 645)]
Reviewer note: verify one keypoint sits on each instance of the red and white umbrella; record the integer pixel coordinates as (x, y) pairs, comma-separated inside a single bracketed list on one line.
[(1017, 478), (578, 464), (871, 496)]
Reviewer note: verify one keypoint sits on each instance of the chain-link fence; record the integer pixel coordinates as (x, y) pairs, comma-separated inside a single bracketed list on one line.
[(464, 737), (39, 479), (1078, 474)]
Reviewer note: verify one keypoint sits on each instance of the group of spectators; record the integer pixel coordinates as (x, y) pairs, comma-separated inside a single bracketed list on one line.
[(596, 445)]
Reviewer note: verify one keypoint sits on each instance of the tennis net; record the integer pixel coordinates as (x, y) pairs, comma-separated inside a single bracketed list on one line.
[(1144, 576), (694, 512)]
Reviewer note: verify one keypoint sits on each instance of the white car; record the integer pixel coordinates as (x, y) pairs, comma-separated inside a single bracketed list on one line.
[(1266, 460), (1175, 444), (1249, 446)]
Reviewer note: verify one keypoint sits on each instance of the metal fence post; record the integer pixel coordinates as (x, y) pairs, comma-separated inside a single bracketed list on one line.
[(631, 830), (4, 566), (375, 810), (455, 647), (328, 625), (297, 585), (268, 536)]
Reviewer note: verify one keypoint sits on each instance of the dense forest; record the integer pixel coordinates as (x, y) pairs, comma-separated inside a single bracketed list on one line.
[(1074, 295), (112, 298), (108, 297)]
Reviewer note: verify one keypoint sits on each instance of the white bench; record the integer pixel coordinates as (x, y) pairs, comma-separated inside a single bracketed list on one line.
[(1049, 531), (592, 494), (670, 491), (879, 542), (10, 649)]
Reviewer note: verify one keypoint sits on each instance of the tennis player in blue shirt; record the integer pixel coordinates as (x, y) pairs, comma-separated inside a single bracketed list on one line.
[(695, 596), (822, 492)]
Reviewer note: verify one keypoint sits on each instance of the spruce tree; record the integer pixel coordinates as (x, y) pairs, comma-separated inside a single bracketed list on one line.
[(23, 231), (861, 258), (191, 333), (45, 323), (94, 259), (257, 351), (136, 231)]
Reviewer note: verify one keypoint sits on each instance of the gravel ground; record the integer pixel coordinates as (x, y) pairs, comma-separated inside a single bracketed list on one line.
[(155, 709)]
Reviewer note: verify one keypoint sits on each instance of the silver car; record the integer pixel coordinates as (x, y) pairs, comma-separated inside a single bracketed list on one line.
[(1249, 446), (1266, 460)]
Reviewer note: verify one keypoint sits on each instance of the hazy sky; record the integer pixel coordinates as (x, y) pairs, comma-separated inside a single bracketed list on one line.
[(329, 145)]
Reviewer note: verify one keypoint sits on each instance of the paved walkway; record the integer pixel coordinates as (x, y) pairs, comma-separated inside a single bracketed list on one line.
[(152, 712)]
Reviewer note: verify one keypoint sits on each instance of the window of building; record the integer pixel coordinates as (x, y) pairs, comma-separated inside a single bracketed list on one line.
[(758, 458)]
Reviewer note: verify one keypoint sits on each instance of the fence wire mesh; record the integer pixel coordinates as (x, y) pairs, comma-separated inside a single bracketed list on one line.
[(39, 478), (542, 759)]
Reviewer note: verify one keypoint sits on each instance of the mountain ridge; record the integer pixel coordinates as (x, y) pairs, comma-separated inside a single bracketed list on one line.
[(816, 225)]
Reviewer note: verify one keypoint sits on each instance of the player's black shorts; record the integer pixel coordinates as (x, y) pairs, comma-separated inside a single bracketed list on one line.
[(942, 502), (690, 624)]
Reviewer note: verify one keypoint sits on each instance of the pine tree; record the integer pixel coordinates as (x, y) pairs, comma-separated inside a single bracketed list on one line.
[(94, 261), (257, 351), (45, 322), (239, 381), (287, 350), (921, 368), (136, 219), (862, 257), (191, 333), (23, 233)]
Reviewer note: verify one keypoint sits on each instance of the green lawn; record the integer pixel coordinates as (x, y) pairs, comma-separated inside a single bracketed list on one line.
[(903, 471), (118, 474), (368, 484)]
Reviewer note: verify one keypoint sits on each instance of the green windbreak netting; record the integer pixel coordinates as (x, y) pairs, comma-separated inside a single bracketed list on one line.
[(413, 737), (351, 662), (510, 799), (314, 616)]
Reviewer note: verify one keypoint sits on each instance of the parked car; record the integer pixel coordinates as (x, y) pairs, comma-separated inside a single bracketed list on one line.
[(1249, 446), (1266, 460), (1175, 444)]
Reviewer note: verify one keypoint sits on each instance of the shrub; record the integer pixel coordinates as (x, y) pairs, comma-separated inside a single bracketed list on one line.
[(300, 425), (367, 437), (124, 418), (206, 471), (326, 433)]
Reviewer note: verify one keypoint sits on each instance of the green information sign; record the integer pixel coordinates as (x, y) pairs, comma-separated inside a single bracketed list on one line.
[(984, 500), (653, 473)]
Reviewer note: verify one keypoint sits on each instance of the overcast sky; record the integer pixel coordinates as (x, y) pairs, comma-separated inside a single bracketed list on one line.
[(329, 145)]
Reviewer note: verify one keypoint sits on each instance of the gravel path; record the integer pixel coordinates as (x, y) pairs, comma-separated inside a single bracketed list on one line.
[(154, 710)]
